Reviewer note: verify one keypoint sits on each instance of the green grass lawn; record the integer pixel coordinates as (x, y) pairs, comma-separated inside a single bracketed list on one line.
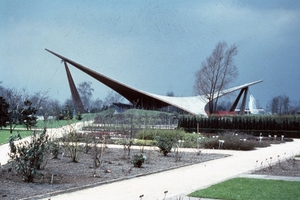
[(55, 123), (251, 189), (5, 134)]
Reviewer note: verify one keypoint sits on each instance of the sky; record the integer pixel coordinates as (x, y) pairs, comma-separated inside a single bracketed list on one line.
[(155, 46)]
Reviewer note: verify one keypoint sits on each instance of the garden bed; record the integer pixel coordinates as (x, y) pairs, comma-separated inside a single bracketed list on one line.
[(66, 175), (283, 167)]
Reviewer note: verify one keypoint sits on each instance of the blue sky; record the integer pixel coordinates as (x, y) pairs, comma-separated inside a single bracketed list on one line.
[(156, 46)]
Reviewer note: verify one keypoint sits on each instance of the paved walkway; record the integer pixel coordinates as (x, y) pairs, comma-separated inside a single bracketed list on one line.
[(52, 132), (182, 181)]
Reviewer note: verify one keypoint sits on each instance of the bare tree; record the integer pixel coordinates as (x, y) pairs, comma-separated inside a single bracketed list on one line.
[(279, 105), (224, 105), (70, 104), (285, 104), (85, 91), (1, 87), (170, 94), (96, 105), (54, 107), (14, 98), (294, 107), (40, 101), (216, 73), (273, 105), (113, 97)]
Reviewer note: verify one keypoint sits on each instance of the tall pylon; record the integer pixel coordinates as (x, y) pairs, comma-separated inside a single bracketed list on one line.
[(79, 108)]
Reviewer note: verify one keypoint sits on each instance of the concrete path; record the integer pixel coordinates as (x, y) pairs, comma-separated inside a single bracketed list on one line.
[(52, 132), (182, 181)]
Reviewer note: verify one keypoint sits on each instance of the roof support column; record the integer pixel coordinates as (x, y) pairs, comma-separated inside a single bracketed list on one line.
[(75, 95), (243, 105)]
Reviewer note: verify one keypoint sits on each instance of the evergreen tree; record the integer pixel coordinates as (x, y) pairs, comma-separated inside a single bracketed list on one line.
[(3, 112)]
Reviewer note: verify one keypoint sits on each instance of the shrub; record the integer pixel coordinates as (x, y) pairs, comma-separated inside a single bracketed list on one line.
[(210, 143), (127, 143), (28, 156), (165, 144), (81, 136), (147, 134), (150, 134), (190, 140), (54, 148), (169, 137), (144, 142), (71, 142), (138, 160), (79, 117), (233, 141), (99, 145)]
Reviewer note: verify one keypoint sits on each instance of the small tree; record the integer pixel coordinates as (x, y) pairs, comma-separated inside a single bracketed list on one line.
[(216, 73)]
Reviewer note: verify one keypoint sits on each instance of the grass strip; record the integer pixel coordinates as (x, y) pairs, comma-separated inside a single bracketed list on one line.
[(251, 189), (5, 134)]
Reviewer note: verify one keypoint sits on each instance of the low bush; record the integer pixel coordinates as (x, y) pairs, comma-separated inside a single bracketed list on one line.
[(228, 144), (233, 141), (71, 142), (82, 135), (144, 142), (54, 148), (147, 134), (165, 139), (190, 140), (165, 144), (28, 156), (150, 134), (138, 160)]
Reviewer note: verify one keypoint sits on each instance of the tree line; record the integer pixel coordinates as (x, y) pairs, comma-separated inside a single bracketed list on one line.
[(19, 106)]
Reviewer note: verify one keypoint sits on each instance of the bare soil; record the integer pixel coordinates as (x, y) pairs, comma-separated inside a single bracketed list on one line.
[(284, 167), (71, 176)]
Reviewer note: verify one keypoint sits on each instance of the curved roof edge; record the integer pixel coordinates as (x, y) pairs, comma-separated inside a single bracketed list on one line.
[(141, 99)]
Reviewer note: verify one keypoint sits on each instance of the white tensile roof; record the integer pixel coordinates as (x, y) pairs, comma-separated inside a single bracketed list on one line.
[(196, 104)]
